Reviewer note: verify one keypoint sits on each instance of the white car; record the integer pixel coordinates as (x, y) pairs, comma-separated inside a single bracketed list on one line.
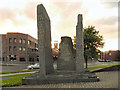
[(35, 66), (108, 61)]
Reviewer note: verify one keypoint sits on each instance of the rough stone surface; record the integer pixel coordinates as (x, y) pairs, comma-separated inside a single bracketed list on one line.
[(108, 80), (60, 77), (66, 58), (79, 46), (0, 52), (44, 41)]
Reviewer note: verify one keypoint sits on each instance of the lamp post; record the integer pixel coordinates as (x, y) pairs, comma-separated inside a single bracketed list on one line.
[(105, 55), (99, 56), (86, 61), (86, 56), (109, 55)]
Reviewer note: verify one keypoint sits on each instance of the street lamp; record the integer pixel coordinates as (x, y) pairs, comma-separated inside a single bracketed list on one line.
[(86, 56), (105, 55), (99, 56), (110, 55)]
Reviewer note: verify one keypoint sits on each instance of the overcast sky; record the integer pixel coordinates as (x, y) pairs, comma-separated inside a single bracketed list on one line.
[(20, 16)]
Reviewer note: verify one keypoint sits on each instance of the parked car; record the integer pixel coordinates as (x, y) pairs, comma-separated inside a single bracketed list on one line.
[(107, 60), (100, 60), (35, 66)]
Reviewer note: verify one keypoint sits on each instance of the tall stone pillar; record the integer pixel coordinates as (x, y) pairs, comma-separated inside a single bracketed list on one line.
[(44, 41), (79, 46), (1, 58)]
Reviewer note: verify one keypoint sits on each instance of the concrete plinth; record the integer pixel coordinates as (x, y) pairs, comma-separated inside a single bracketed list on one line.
[(60, 77)]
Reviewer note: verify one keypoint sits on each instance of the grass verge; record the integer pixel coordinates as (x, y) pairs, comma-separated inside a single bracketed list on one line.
[(18, 71), (102, 66), (13, 81)]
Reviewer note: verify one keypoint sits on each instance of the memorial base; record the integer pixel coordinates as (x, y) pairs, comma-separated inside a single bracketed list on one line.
[(59, 77)]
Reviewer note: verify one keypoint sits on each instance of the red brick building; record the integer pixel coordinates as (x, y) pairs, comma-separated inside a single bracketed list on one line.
[(112, 55), (19, 48)]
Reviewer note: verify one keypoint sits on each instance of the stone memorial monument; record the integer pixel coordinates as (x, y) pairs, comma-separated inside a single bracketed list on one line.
[(66, 59), (66, 74), (44, 41)]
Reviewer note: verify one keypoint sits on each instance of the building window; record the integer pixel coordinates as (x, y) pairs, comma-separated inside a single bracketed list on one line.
[(24, 49), (15, 40), (24, 41), (10, 48), (14, 48), (32, 49), (3, 59), (29, 42), (20, 41), (31, 59), (20, 48), (37, 58), (22, 59), (10, 40), (35, 45)]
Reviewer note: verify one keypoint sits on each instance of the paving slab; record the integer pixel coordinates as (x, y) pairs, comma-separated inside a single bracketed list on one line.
[(108, 80)]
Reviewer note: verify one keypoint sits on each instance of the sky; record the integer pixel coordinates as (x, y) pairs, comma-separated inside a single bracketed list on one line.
[(21, 16)]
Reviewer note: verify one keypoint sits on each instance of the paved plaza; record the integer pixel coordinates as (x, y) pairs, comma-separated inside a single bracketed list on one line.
[(107, 80)]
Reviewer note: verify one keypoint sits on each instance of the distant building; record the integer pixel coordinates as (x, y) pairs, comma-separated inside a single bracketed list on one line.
[(112, 55), (19, 48)]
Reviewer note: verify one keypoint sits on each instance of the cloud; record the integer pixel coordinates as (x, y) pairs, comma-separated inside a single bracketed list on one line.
[(109, 0), (108, 26), (110, 4), (67, 16), (13, 16), (65, 9), (104, 21), (108, 20), (6, 14), (18, 17), (30, 10)]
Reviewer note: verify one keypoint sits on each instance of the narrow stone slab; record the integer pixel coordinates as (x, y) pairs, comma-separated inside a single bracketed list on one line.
[(66, 58), (79, 46), (44, 41)]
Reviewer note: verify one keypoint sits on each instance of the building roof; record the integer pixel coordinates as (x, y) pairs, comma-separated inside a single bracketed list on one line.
[(19, 33)]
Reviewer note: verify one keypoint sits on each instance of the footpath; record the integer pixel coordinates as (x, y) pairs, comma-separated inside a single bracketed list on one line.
[(112, 68)]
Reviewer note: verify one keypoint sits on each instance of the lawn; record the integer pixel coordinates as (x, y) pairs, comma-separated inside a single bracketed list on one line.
[(17, 80), (18, 71), (102, 66)]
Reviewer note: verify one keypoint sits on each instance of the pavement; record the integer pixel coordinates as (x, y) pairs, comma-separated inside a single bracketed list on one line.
[(108, 80), (16, 67), (13, 67), (36, 71)]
